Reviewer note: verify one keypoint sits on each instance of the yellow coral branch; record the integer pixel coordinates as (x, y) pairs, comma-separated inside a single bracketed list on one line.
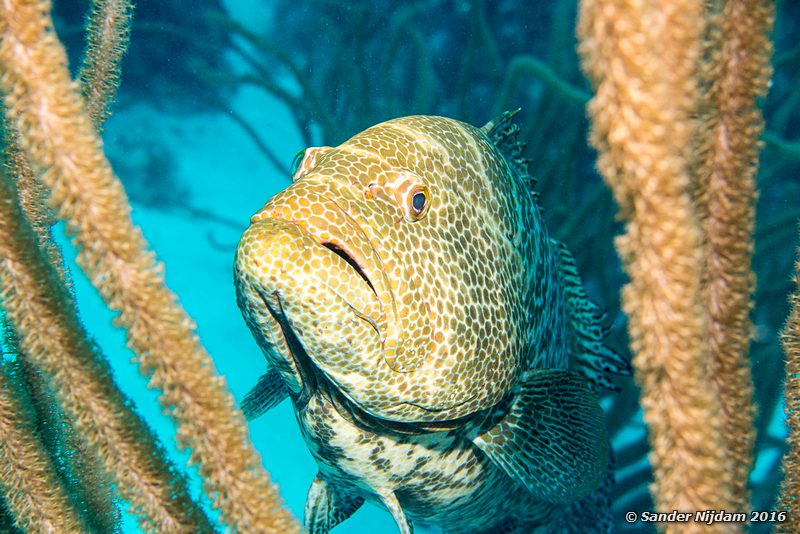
[(80, 466), (790, 488), (60, 140), (85, 478), (108, 33), (676, 125), (53, 340), (33, 492), (644, 58), (32, 197), (737, 72)]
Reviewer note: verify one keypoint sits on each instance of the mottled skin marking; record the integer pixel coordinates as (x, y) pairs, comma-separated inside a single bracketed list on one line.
[(456, 311), (398, 333), (438, 478)]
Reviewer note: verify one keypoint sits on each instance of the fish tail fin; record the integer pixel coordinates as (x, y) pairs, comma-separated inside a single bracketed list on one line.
[(589, 354)]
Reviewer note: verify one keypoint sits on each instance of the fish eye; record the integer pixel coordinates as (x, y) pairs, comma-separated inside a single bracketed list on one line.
[(411, 195), (418, 201)]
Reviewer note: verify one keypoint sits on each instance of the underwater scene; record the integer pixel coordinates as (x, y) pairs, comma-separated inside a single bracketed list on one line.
[(375, 266)]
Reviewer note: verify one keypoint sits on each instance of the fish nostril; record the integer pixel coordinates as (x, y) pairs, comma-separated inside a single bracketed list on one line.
[(352, 262)]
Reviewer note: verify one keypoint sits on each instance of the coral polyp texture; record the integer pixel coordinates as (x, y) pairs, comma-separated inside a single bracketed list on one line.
[(40, 100), (676, 125), (678, 113)]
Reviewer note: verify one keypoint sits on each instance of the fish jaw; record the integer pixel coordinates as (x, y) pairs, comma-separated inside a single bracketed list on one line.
[(321, 206), (315, 318), (301, 300)]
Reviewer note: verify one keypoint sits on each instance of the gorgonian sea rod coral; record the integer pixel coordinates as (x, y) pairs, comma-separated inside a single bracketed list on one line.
[(675, 123), (62, 146)]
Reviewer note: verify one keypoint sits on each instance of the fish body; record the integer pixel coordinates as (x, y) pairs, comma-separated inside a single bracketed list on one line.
[(437, 345)]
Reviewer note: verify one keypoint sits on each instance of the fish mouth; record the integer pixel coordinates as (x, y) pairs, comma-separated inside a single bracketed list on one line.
[(346, 239), (342, 253)]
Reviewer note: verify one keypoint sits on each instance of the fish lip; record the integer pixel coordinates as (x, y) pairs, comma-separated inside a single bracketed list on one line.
[(379, 270), (351, 262), (340, 245), (375, 256), (372, 321)]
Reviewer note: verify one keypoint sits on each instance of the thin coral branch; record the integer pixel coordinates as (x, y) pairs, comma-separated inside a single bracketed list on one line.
[(521, 66), (401, 26), (790, 149), (51, 337), (108, 34), (425, 83), (32, 195), (790, 488), (280, 166), (309, 93), (87, 195), (737, 71), (76, 462), (644, 60), (80, 467), (33, 491)]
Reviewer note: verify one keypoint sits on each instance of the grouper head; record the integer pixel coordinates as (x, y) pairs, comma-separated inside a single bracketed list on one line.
[(394, 269)]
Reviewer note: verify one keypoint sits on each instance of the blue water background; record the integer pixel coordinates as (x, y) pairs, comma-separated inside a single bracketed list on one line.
[(225, 174)]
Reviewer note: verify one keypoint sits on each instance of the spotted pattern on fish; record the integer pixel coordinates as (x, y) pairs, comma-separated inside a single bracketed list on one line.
[(436, 343), (434, 475)]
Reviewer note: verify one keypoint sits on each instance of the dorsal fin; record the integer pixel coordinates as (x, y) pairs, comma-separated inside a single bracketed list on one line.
[(503, 132), (589, 354)]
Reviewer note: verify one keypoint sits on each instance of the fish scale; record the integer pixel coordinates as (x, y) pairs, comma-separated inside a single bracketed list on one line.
[(440, 352)]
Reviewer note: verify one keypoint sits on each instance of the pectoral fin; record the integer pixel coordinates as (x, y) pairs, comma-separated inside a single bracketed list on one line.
[(267, 393), (326, 508), (393, 505), (553, 439)]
